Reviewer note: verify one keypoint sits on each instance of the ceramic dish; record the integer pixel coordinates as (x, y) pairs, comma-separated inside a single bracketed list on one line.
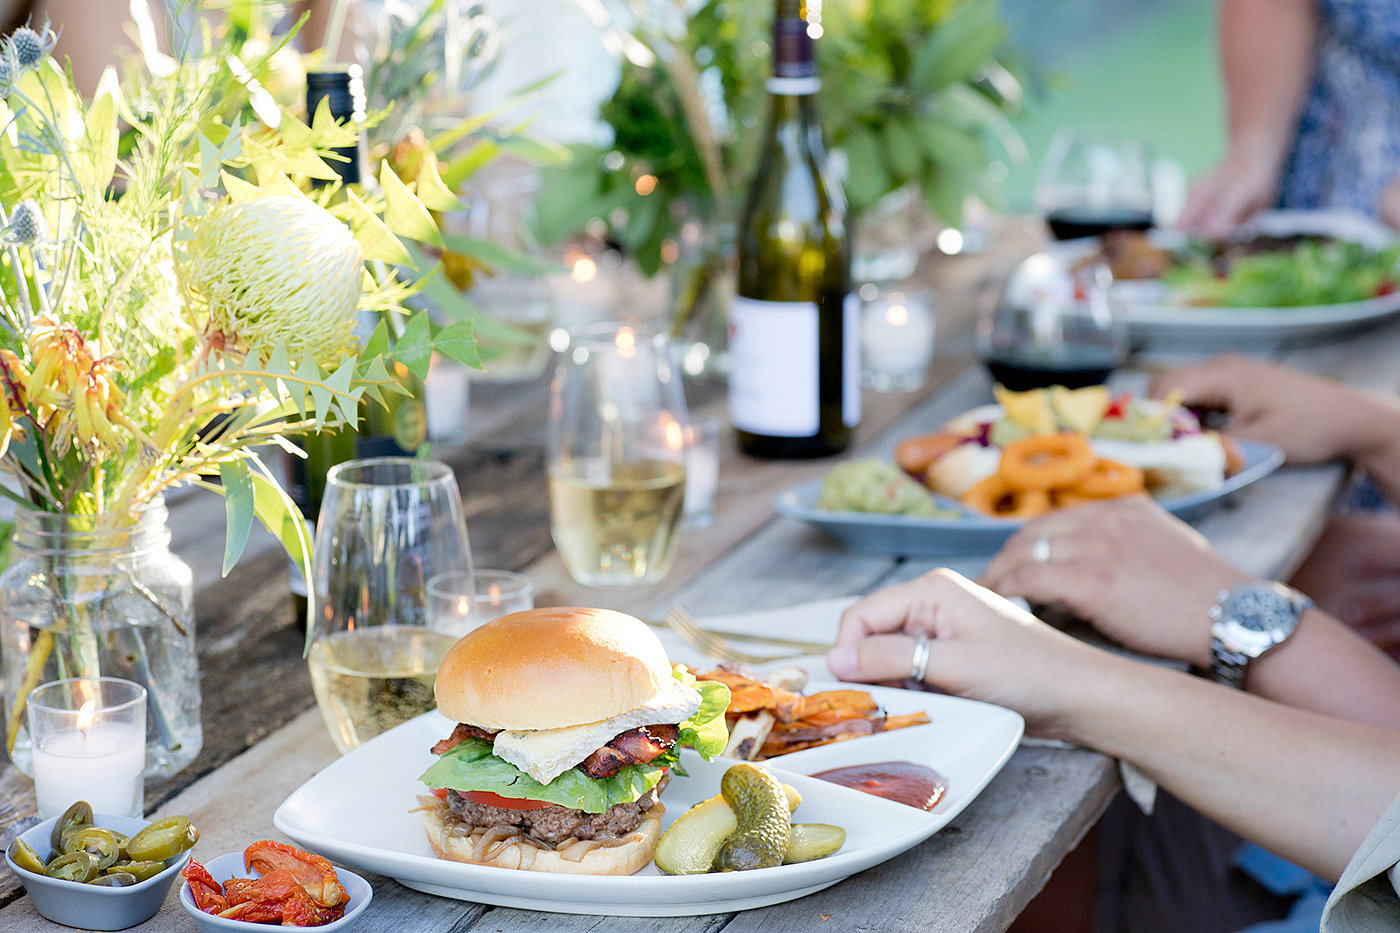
[(1151, 316), (931, 536), (966, 742), (89, 906), (231, 866)]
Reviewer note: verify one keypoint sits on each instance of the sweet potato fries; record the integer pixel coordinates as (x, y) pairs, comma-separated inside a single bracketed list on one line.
[(766, 720)]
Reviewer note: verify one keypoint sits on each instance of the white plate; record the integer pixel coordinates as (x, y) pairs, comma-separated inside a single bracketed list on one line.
[(1150, 315), (357, 812), (932, 536)]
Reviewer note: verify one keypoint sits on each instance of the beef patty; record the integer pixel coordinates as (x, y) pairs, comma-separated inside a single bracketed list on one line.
[(553, 824)]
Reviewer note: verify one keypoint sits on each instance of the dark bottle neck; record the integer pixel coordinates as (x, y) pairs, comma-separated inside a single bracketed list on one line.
[(794, 52), (344, 95)]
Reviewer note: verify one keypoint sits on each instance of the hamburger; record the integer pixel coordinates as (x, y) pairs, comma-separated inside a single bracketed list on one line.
[(568, 722)]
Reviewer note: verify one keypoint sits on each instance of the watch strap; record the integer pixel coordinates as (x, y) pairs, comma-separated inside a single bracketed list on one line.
[(1227, 667)]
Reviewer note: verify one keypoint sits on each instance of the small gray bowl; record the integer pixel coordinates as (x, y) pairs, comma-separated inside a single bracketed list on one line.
[(231, 866), (90, 906)]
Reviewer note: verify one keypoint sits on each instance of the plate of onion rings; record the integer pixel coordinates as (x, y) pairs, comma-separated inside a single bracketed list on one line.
[(959, 528)]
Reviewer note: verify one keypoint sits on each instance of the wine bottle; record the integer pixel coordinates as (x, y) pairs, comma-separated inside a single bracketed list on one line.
[(794, 385), (397, 428)]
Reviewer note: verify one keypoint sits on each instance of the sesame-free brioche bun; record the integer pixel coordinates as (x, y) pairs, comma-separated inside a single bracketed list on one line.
[(627, 857), (551, 668)]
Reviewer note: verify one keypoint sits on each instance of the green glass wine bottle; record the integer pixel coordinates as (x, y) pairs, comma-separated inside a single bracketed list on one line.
[(397, 428), (794, 385)]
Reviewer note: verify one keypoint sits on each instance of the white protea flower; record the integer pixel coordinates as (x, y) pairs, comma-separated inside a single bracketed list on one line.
[(276, 271)]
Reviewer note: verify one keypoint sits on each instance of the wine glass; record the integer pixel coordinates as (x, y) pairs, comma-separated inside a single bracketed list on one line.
[(616, 455), (1052, 326), (387, 526), (1093, 181)]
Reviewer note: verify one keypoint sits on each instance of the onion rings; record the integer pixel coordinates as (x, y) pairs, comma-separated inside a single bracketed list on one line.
[(1047, 461), (1108, 479), (996, 497)]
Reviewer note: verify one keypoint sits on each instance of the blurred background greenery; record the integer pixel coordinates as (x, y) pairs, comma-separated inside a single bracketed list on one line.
[(1145, 67)]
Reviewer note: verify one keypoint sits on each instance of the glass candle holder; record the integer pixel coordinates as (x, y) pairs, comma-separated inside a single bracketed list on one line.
[(459, 602), (896, 334), (702, 437), (89, 743)]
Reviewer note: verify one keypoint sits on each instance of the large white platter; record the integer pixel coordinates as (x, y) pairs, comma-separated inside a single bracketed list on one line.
[(1152, 317), (357, 812), (937, 535)]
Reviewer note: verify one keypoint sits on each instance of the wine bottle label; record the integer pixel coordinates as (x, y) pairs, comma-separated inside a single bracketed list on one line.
[(774, 376), (793, 87), (850, 368)]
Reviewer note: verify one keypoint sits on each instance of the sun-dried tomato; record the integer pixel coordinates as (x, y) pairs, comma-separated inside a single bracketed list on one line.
[(208, 896), (314, 873)]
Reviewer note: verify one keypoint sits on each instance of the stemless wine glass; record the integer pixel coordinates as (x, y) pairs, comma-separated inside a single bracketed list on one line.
[(387, 526), (616, 455), (1052, 326), (1092, 181)]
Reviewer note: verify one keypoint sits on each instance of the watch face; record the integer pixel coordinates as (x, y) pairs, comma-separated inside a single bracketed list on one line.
[(1256, 612)]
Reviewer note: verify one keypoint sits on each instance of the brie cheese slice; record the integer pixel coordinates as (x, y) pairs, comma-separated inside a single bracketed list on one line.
[(544, 754)]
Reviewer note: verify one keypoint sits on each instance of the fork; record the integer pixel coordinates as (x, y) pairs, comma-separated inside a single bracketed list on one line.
[(6, 811), (715, 645)]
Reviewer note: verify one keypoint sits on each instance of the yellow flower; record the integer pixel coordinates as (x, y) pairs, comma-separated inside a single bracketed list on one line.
[(276, 271), (68, 388)]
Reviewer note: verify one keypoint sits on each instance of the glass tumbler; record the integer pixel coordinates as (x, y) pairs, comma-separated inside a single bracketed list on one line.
[(616, 457), (387, 526)]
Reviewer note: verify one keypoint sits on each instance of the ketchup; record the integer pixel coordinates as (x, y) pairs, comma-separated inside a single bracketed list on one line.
[(901, 781)]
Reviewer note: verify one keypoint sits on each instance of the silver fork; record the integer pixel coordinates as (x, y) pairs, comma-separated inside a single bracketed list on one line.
[(6, 811), (715, 645)]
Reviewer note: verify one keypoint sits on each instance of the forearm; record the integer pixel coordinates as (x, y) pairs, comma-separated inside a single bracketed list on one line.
[(1373, 440), (1266, 57), (1305, 786), (1326, 667)]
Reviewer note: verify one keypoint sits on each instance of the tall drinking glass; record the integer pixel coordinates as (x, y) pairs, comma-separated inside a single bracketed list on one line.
[(616, 455), (387, 526)]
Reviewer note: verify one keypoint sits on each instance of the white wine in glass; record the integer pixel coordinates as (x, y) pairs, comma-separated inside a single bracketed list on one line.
[(616, 456)]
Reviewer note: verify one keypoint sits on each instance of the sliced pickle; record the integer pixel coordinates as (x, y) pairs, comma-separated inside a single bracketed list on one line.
[(23, 855), (73, 866), (162, 840), (76, 817)]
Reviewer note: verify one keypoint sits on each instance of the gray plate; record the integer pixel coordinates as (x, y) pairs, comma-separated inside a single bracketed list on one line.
[(925, 536)]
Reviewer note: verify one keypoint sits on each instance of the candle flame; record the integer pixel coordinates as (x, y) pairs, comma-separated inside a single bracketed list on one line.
[(675, 436), (494, 593), (85, 715), (626, 343), (897, 316), (584, 270), (464, 605)]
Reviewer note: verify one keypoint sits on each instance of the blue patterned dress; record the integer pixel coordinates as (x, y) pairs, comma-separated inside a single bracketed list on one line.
[(1348, 141)]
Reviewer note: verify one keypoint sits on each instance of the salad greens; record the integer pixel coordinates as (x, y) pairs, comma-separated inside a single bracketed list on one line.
[(1317, 271)]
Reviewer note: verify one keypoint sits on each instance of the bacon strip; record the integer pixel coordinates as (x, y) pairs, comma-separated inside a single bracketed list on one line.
[(633, 747), (461, 732)]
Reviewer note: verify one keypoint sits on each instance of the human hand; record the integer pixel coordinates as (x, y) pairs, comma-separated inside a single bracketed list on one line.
[(982, 647), (1353, 573), (1138, 575), (1240, 186), (1388, 204), (1310, 418)]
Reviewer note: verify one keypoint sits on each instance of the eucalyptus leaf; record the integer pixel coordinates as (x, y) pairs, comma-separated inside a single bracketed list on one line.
[(414, 347), (237, 483)]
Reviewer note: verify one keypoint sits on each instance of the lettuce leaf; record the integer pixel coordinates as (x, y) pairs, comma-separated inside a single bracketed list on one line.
[(472, 766), (706, 730)]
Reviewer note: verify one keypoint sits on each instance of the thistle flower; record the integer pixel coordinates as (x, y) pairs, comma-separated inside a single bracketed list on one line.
[(28, 45), (26, 224), (276, 271)]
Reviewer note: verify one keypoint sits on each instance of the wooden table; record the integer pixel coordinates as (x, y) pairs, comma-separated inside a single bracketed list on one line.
[(263, 737)]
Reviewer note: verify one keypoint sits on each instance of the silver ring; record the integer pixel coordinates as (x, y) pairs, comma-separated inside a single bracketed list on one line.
[(918, 662), (1040, 549)]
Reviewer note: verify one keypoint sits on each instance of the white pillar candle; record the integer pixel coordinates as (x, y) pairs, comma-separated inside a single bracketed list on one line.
[(101, 764), (896, 333)]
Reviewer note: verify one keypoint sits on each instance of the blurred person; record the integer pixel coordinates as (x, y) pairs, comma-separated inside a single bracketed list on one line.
[(91, 34), (1307, 786), (1312, 92)]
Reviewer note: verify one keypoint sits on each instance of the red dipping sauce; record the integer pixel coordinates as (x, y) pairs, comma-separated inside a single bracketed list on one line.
[(901, 781)]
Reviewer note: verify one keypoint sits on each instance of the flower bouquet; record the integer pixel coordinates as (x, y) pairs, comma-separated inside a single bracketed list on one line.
[(180, 278)]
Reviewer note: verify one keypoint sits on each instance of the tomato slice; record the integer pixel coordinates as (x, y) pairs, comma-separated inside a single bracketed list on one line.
[(486, 798)]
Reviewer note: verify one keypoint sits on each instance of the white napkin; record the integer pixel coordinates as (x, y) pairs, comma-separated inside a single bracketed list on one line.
[(815, 622)]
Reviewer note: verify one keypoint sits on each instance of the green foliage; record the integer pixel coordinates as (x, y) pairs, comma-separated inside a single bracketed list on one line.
[(916, 92)]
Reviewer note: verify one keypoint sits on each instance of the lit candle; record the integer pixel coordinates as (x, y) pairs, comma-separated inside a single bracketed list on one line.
[(94, 753), (896, 339)]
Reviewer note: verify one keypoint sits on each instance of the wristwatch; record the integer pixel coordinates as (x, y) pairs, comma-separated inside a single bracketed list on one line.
[(1247, 621)]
